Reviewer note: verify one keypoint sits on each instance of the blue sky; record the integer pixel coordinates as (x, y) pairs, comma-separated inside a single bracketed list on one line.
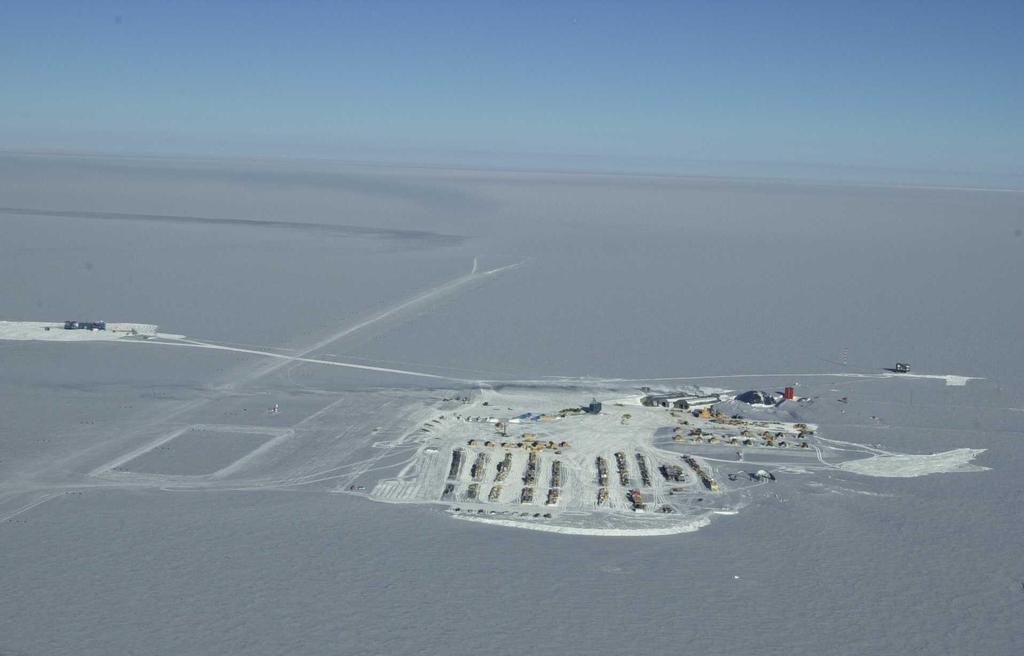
[(928, 86)]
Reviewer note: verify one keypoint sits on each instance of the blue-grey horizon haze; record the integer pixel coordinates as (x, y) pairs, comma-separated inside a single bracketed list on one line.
[(901, 92)]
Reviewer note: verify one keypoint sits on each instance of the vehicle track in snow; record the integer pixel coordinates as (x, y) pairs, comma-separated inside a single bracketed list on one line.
[(422, 299), (53, 473)]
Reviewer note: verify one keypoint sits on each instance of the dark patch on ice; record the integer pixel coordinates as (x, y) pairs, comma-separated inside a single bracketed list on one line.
[(755, 397), (422, 236)]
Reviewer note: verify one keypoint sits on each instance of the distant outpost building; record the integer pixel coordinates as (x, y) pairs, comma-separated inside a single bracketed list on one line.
[(85, 325), (680, 400)]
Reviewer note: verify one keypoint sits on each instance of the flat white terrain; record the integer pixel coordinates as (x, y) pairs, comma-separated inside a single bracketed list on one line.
[(909, 466), (273, 482)]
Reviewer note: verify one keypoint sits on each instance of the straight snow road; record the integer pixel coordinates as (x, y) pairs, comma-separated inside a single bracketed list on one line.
[(294, 358), (950, 379), (422, 298)]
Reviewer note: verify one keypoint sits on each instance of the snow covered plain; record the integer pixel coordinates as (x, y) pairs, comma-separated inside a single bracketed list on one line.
[(908, 466), (624, 280)]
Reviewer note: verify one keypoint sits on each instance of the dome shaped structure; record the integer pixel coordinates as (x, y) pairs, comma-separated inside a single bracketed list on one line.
[(754, 397)]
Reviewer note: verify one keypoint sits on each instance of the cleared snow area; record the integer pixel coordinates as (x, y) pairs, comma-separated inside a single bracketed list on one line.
[(493, 459), (481, 471), (53, 331), (950, 379), (909, 466), (632, 527)]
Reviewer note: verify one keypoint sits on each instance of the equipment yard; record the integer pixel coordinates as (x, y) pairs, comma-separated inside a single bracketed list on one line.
[(511, 457)]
